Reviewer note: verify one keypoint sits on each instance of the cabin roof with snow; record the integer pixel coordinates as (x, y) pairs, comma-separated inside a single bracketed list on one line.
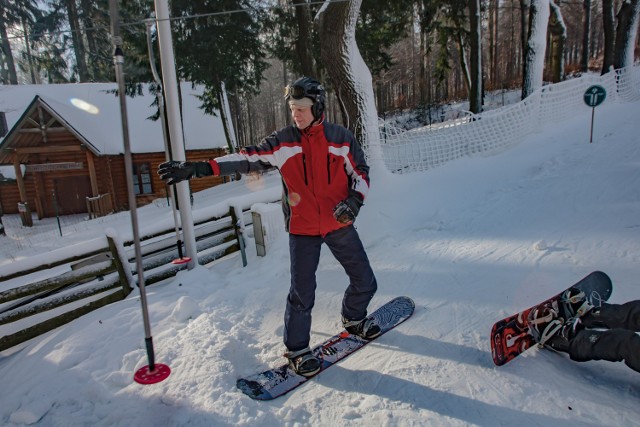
[(91, 112)]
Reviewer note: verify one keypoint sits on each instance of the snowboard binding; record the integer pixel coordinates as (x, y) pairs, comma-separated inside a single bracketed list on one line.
[(554, 324), (575, 303), (545, 322)]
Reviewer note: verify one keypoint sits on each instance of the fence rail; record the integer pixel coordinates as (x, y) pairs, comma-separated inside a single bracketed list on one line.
[(41, 296), (98, 273)]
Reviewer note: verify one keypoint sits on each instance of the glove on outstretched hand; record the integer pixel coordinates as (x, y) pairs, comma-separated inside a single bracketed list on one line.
[(347, 210), (173, 171)]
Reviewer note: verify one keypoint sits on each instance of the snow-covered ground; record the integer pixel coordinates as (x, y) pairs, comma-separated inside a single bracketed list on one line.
[(471, 242)]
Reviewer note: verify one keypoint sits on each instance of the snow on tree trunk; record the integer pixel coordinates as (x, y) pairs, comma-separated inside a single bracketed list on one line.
[(349, 75), (225, 117), (558, 31), (626, 33), (536, 47), (466, 74)]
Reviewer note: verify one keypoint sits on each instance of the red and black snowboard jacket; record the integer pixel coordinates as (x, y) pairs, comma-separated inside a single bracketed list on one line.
[(319, 166)]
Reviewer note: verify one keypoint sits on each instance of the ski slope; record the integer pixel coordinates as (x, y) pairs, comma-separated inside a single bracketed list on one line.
[(470, 242)]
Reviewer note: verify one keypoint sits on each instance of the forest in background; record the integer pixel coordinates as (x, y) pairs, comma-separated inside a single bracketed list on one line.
[(420, 52)]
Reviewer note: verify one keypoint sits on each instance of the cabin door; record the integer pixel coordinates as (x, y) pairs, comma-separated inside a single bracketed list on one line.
[(71, 194)]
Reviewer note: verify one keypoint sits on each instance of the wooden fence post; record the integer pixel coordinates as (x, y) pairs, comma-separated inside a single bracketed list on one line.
[(235, 222), (120, 262), (258, 234)]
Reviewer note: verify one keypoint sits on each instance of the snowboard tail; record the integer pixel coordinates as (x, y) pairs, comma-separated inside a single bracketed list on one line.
[(275, 382), (510, 336)]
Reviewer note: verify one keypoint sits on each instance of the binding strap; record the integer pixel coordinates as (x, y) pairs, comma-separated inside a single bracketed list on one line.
[(568, 300)]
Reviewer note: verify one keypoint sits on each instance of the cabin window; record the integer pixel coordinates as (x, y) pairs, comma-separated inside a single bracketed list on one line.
[(142, 178)]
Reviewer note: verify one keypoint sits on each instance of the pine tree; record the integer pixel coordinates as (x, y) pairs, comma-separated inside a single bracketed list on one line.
[(22, 14), (213, 46)]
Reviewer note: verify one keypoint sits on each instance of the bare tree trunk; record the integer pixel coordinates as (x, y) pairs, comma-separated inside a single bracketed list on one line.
[(422, 76), (412, 76), (608, 22), (303, 43), (27, 44), (586, 35), (512, 66), (78, 43), (225, 119), (90, 31), (462, 54), (475, 57), (524, 8), (496, 51), (9, 72), (349, 75), (492, 42)]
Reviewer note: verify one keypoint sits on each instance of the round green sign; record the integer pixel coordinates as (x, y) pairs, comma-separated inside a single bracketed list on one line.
[(595, 95)]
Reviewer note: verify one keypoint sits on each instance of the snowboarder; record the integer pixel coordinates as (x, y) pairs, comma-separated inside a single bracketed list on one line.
[(325, 182), (607, 332)]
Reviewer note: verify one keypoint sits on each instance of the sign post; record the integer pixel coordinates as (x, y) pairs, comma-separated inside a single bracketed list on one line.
[(594, 96)]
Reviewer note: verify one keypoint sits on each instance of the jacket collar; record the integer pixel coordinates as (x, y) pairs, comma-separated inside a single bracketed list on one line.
[(314, 127)]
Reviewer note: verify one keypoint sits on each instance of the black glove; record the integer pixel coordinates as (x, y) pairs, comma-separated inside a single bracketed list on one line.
[(173, 171), (347, 210)]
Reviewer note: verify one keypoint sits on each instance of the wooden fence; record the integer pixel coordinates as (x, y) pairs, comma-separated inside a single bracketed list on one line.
[(96, 274)]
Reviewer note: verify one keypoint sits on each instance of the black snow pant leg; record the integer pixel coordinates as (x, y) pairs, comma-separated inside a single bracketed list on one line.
[(614, 345), (347, 248), (613, 316), (305, 256)]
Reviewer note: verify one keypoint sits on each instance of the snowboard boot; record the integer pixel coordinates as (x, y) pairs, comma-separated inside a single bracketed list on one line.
[(303, 362), (550, 330), (593, 319), (365, 328), (561, 340)]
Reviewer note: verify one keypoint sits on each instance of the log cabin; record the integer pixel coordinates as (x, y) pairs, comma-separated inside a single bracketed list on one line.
[(62, 150)]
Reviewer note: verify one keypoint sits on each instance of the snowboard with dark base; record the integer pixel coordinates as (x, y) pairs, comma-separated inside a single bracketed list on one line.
[(510, 337), (275, 382)]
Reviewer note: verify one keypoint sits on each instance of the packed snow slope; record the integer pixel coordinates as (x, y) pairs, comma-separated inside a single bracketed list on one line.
[(471, 242)]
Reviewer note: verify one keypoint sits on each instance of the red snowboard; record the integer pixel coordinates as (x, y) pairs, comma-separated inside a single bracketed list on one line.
[(510, 337)]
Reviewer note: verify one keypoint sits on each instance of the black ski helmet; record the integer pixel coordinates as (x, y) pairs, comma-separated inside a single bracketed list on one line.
[(307, 87)]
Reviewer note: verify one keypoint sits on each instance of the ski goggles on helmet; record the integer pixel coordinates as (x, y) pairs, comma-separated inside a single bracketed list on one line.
[(299, 92)]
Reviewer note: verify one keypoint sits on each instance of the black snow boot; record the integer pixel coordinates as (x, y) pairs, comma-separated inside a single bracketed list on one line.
[(561, 340), (365, 328), (303, 362)]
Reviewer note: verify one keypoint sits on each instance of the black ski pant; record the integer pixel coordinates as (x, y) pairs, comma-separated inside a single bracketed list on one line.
[(617, 342), (346, 247)]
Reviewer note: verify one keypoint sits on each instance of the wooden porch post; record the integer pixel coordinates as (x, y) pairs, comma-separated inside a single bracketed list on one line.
[(23, 206), (41, 194), (92, 174), (21, 189)]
